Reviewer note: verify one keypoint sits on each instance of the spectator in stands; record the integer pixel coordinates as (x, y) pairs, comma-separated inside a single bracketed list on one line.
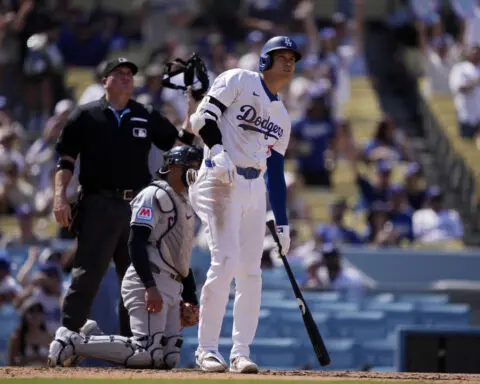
[(380, 191), (415, 186), (26, 235), (95, 90), (380, 230), (434, 223), (81, 45), (45, 287), (388, 143), (336, 232), (328, 273), (41, 157), (400, 214), (8, 148), (440, 54), (315, 143), (9, 288), (14, 190), (28, 346), (465, 86), (249, 60)]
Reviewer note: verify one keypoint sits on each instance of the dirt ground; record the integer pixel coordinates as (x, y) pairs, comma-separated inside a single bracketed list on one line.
[(114, 373)]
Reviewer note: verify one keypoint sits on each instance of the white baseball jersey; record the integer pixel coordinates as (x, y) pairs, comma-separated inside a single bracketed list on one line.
[(254, 121), (172, 221)]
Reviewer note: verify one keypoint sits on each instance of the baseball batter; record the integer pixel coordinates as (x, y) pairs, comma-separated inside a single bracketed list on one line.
[(246, 130), (160, 244)]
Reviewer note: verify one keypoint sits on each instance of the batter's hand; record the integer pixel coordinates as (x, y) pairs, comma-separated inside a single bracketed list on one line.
[(153, 300), (283, 232), (221, 165), (62, 210)]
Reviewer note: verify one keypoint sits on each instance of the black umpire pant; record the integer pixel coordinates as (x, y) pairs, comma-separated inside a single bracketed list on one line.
[(102, 224)]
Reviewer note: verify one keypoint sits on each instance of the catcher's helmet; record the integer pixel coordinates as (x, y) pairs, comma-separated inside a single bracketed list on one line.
[(183, 155), (274, 44)]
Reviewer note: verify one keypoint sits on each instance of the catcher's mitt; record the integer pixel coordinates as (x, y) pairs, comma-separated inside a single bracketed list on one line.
[(188, 314), (194, 72)]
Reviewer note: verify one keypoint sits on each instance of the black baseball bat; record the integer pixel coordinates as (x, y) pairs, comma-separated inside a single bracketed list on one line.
[(313, 333)]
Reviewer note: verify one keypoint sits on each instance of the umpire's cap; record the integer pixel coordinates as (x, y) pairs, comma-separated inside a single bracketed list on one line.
[(115, 63), (183, 155)]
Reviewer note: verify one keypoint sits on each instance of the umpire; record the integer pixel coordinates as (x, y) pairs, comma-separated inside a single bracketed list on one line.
[(112, 137)]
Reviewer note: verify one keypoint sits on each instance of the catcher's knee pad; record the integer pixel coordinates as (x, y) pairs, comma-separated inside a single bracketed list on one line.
[(171, 353)]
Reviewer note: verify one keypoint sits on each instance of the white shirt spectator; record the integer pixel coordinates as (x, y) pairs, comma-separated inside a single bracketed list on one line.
[(249, 61), (437, 70), (9, 284), (92, 92), (466, 103), (430, 226)]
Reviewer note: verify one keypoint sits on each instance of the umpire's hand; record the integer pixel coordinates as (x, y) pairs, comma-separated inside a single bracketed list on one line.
[(153, 300), (61, 210)]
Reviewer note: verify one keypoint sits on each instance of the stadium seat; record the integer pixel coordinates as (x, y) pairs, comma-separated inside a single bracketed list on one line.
[(443, 314), (422, 298), (361, 326), (395, 313), (292, 325), (377, 352), (311, 296), (342, 354), (265, 326), (329, 307)]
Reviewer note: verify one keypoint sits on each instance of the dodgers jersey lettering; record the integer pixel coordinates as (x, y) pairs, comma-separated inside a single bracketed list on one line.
[(171, 220), (252, 124)]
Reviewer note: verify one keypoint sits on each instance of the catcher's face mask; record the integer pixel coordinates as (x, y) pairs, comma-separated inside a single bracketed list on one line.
[(179, 74)]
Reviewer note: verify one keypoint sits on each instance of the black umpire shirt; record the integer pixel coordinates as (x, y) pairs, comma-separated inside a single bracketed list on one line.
[(114, 145)]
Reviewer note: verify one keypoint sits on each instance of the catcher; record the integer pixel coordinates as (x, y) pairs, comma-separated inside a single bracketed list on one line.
[(158, 289)]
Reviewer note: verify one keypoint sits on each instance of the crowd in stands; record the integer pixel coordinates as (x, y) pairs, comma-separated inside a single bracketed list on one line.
[(41, 41)]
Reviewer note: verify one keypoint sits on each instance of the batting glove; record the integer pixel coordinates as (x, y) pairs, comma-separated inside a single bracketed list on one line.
[(283, 232), (221, 164)]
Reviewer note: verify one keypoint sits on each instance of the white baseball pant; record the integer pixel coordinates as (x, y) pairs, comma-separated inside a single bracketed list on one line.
[(234, 216)]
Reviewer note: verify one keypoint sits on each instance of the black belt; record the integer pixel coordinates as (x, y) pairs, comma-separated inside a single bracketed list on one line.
[(122, 194), (157, 270)]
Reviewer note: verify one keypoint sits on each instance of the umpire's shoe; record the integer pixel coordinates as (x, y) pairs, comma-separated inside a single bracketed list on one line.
[(62, 348), (210, 361), (243, 364)]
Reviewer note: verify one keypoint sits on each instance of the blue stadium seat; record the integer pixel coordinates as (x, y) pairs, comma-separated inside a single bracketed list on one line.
[(277, 353), (379, 298), (361, 326), (291, 325), (265, 327), (312, 296), (377, 352), (443, 314), (422, 298), (331, 307), (268, 295), (342, 354), (396, 313)]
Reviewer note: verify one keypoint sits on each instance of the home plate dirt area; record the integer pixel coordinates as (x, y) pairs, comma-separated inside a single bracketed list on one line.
[(192, 375)]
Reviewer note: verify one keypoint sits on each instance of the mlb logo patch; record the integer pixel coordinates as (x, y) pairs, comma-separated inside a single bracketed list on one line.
[(145, 214), (140, 132)]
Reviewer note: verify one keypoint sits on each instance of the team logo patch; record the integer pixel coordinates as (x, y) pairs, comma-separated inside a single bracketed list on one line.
[(145, 214), (139, 132)]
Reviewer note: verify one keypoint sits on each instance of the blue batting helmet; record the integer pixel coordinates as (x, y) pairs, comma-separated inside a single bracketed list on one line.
[(274, 44)]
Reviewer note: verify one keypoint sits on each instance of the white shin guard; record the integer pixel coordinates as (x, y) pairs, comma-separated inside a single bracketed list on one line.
[(130, 352)]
